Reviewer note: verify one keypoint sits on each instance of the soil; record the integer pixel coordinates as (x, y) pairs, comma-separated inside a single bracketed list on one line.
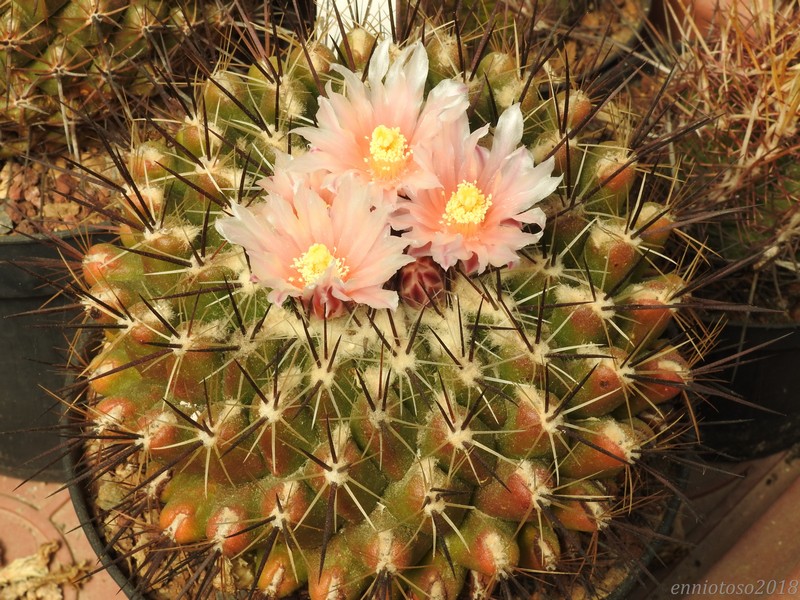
[(40, 198)]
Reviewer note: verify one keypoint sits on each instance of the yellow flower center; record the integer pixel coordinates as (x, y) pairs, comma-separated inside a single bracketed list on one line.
[(466, 206), (388, 152), (313, 263)]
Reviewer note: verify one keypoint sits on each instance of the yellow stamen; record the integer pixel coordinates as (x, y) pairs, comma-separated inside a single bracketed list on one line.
[(466, 206), (388, 152), (313, 263)]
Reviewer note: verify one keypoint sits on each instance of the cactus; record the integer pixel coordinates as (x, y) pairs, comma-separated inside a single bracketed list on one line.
[(394, 408), (61, 60), (744, 155)]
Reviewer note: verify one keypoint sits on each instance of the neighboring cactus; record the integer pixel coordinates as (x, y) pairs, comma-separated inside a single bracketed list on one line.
[(743, 75), (484, 434), (61, 60)]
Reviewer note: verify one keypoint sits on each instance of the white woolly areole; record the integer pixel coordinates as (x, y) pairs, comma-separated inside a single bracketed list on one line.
[(611, 231), (470, 300), (538, 353), (433, 478), (226, 525), (583, 295), (217, 173), (508, 94), (385, 562), (545, 145), (281, 324), (166, 418), (536, 486), (611, 161), (599, 514), (549, 421), (549, 558), (610, 362), (172, 528), (322, 375), (149, 155), (103, 368), (161, 307), (499, 552), (183, 341), (246, 343), (212, 331), (196, 121), (338, 473), (437, 591), (672, 366), (244, 280), (287, 491), (378, 417), (269, 412), (459, 438), (208, 439), (622, 438), (99, 258), (334, 589), (470, 373), (271, 589), (356, 339), (152, 198), (403, 361), (99, 299), (435, 506), (154, 486), (108, 419), (374, 380), (624, 371), (183, 232)]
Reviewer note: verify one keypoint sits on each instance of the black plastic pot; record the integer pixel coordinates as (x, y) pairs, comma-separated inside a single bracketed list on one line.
[(34, 351), (768, 377), (81, 502)]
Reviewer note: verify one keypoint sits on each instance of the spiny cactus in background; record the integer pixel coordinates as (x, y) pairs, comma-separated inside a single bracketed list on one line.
[(744, 76), (389, 376), (63, 59)]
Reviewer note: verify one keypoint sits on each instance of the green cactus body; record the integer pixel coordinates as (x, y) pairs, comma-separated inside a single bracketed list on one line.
[(63, 60), (459, 440)]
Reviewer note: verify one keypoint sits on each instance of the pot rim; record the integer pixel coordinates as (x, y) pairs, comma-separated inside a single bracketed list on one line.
[(87, 520), (14, 239)]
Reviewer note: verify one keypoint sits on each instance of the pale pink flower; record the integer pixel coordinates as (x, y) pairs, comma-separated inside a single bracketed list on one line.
[(381, 130), (284, 181), (324, 255), (485, 199)]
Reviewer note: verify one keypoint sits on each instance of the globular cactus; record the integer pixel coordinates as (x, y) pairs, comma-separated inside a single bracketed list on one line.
[(742, 79), (373, 382), (62, 60)]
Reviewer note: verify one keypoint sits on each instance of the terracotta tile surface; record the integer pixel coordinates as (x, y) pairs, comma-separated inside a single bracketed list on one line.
[(35, 513), (743, 527), (765, 558)]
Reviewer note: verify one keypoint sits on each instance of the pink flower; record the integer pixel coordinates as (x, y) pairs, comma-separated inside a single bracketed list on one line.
[(324, 255), (485, 199), (380, 131), (284, 181)]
